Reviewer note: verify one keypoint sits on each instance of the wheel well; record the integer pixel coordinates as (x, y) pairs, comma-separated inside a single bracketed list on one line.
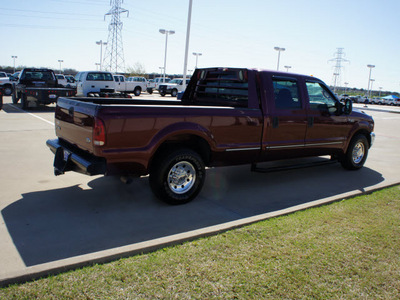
[(365, 133), (192, 142), (137, 87)]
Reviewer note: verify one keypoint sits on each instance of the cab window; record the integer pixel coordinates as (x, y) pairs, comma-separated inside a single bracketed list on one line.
[(286, 94), (320, 98)]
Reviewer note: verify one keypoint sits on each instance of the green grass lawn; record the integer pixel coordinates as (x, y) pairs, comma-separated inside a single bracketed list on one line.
[(348, 249)]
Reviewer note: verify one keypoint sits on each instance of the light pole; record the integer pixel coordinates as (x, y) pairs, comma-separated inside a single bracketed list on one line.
[(380, 90), (60, 61), (287, 68), (97, 66), (334, 87), (101, 43), (14, 57), (197, 54), (345, 88), (372, 82), (166, 32), (185, 61), (369, 78), (279, 55)]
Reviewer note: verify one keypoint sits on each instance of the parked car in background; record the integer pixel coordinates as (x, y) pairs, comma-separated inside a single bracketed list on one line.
[(172, 87), (379, 101), (89, 83), (160, 80), (151, 85), (392, 102), (38, 86), (61, 80), (71, 82), (131, 85), (6, 84)]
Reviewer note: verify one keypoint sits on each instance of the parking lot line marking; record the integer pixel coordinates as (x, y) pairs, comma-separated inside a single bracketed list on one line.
[(33, 115)]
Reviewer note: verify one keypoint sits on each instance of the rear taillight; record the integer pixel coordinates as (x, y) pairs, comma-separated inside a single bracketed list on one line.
[(99, 133)]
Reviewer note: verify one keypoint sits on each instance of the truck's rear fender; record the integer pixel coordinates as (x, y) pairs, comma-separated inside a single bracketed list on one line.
[(183, 135)]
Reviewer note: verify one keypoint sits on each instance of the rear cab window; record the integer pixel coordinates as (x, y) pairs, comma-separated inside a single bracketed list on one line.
[(224, 87), (94, 76)]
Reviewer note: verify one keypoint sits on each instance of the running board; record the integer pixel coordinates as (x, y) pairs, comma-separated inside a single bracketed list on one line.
[(254, 167)]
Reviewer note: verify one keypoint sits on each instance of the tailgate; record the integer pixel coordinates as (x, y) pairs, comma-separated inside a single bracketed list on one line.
[(74, 122)]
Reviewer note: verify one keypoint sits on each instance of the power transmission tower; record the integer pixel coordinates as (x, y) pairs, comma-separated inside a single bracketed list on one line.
[(114, 55), (338, 59)]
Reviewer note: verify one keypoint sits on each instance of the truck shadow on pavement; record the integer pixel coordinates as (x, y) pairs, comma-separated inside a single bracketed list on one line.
[(50, 225), (16, 108)]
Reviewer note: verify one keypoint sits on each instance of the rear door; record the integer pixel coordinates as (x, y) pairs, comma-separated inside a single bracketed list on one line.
[(286, 117)]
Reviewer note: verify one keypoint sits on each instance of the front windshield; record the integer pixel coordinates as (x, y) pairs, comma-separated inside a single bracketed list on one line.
[(177, 81)]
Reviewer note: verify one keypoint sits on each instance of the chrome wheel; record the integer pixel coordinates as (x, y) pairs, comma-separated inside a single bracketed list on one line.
[(358, 152), (181, 177)]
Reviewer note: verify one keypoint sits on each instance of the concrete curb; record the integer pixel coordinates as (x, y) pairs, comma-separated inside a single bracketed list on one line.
[(53, 268)]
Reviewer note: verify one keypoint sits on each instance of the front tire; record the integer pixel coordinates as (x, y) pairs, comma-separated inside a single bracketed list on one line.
[(178, 176), (356, 154)]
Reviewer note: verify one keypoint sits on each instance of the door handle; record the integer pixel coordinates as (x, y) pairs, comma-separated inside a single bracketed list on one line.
[(310, 121), (275, 122)]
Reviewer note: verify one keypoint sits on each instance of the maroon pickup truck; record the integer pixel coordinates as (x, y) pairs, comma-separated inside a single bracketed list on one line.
[(227, 116)]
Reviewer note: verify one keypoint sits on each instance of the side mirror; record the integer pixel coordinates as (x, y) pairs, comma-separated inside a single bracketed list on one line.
[(348, 106)]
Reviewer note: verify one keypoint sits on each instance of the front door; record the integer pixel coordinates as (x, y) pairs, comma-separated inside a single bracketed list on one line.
[(326, 126)]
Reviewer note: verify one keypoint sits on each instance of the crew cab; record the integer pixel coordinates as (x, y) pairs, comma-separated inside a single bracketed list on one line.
[(172, 87), (38, 86), (227, 116)]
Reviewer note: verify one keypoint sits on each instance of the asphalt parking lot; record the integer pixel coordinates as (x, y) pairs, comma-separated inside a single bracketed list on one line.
[(50, 223)]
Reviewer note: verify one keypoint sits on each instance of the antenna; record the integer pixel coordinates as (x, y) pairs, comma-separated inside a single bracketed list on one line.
[(339, 59), (114, 55)]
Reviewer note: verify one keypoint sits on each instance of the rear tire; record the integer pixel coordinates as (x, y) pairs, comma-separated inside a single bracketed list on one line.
[(174, 93), (137, 91), (24, 101), (356, 154), (178, 176)]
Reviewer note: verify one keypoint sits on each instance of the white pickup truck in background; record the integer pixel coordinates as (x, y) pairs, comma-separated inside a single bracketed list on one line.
[(134, 85), (91, 82)]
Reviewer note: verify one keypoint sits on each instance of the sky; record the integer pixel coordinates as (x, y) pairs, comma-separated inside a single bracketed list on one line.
[(228, 33)]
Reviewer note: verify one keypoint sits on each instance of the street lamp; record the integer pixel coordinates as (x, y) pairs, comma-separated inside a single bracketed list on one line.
[(101, 43), (97, 66), (345, 88), (197, 54), (372, 82), (14, 57), (369, 78), (336, 76), (166, 32), (380, 90), (60, 61), (287, 68), (279, 55)]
